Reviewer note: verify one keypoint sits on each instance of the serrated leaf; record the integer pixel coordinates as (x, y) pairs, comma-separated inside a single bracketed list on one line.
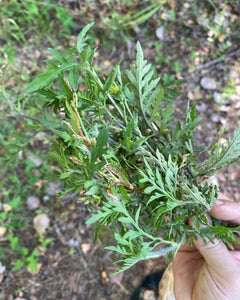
[(73, 79), (82, 38)]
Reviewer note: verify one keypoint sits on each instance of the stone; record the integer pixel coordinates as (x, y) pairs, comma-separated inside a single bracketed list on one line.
[(217, 97), (52, 189), (41, 223), (215, 118), (160, 33), (202, 107), (33, 202), (2, 268), (3, 231), (208, 83)]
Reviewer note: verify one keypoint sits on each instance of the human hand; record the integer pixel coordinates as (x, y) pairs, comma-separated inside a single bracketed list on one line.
[(210, 271)]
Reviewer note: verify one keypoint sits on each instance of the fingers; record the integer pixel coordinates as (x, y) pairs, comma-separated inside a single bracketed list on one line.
[(226, 210), (213, 253), (235, 254)]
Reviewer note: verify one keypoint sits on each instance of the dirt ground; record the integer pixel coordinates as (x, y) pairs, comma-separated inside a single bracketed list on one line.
[(74, 267)]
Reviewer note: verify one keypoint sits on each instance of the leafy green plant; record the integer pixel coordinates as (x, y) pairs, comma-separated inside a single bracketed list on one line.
[(44, 241), (22, 18), (135, 15), (30, 260), (118, 147)]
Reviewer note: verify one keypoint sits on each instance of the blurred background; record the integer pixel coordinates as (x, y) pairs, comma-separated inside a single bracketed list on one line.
[(46, 250)]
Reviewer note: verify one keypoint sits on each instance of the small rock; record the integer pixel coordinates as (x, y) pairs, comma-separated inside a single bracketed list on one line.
[(73, 243), (208, 83), (202, 107), (160, 33), (166, 16), (2, 268), (149, 295), (52, 189), (33, 202), (3, 231), (41, 223), (217, 97), (215, 118), (46, 198)]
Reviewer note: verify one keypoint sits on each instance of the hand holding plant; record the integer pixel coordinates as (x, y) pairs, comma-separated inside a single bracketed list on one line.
[(209, 270), (119, 149)]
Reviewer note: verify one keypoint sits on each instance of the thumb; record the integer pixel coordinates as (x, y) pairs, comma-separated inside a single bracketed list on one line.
[(214, 254)]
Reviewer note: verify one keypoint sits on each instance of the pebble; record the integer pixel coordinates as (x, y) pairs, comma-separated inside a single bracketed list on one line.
[(215, 118), (73, 243), (208, 83), (160, 33), (2, 268), (149, 295), (52, 189), (202, 107), (41, 223), (217, 97), (33, 202), (3, 231)]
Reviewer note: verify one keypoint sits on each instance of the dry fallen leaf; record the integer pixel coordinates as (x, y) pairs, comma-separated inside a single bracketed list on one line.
[(104, 276), (107, 63), (7, 207), (85, 247)]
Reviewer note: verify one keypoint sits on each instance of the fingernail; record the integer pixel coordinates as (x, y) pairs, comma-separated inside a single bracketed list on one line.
[(219, 202)]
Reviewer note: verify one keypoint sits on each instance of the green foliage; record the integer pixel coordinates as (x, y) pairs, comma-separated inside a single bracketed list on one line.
[(135, 15), (21, 18), (18, 176), (30, 260), (118, 146), (44, 241)]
